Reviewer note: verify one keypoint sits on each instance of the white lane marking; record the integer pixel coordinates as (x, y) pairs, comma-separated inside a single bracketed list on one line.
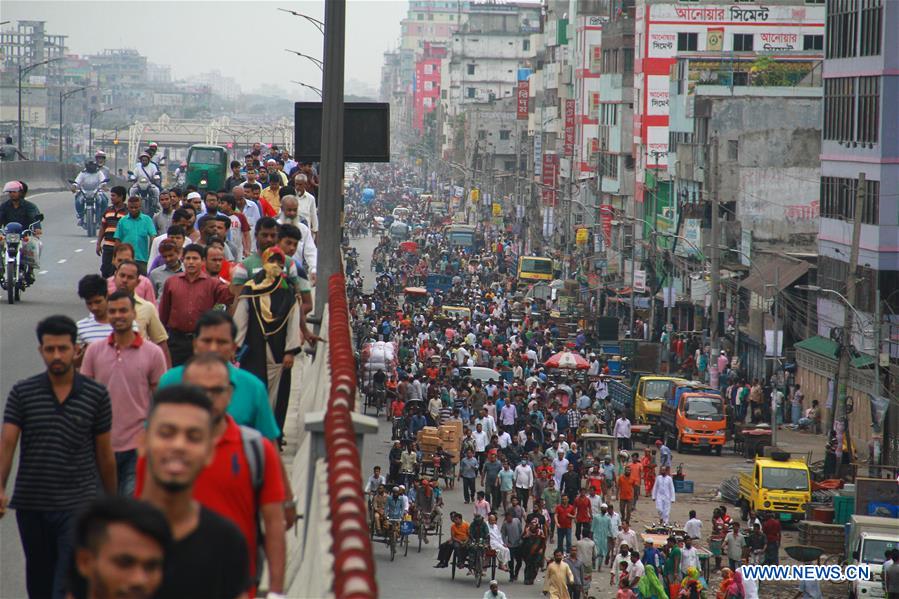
[(42, 272), (63, 261), (79, 250)]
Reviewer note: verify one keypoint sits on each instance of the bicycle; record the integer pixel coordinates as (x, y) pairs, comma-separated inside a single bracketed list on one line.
[(395, 537)]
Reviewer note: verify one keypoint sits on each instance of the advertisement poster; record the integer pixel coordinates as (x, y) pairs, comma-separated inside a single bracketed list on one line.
[(538, 154), (550, 178), (523, 91), (606, 216), (657, 94), (569, 127), (714, 40)]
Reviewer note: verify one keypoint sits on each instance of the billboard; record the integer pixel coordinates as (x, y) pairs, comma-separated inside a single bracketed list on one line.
[(366, 131), (522, 97)]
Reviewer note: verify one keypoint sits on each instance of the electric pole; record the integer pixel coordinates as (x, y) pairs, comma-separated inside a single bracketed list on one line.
[(716, 268), (840, 418)]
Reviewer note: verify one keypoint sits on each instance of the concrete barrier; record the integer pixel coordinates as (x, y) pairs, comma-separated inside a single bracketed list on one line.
[(38, 175)]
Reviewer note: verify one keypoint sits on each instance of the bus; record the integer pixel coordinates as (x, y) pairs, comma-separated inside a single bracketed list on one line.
[(464, 236), (534, 268)]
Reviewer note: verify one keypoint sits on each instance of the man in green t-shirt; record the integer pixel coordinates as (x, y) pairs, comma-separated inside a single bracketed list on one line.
[(672, 562), (138, 230)]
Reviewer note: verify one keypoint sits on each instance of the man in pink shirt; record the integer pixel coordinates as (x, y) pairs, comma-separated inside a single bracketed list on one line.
[(722, 362), (144, 289), (130, 369)]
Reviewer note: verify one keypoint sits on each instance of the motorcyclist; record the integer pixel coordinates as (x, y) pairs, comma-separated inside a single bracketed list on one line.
[(151, 150), (148, 170), (145, 167), (100, 159), (181, 174), (16, 209), (89, 178)]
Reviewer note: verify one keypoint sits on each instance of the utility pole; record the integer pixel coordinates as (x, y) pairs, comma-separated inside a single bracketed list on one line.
[(840, 418), (716, 268), (330, 193), (776, 345), (633, 269)]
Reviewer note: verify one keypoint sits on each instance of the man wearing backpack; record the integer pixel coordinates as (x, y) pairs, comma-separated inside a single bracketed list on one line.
[(243, 482)]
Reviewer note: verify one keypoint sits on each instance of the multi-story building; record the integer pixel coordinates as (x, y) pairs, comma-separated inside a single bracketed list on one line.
[(427, 82), (431, 21), (29, 43), (663, 28)]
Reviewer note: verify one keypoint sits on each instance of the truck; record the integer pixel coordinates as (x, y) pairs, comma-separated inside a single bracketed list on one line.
[(869, 537), (778, 485), (642, 397), (693, 415)]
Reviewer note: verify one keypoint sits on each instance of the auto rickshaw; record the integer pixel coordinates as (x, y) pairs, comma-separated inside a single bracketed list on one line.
[(598, 445), (207, 167), (415, 295)]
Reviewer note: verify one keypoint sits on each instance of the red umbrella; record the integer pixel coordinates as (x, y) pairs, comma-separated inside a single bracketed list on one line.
[(409, 246), (567, 359)]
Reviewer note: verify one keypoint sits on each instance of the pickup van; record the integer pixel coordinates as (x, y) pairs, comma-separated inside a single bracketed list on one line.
[(642, 399), (869, 537), (694, 416), (778, 485)]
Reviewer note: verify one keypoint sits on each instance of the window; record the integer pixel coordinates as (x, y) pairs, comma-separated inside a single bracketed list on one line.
[(470, 92), (429, 85), (838, 200), (430, 16), (742, 42), (426, 102), (608, 165), (482, 135), (609, 114), (812, 42), (421, 17), (429, 69), (814, 1), (733, 149), (842, 26), (868, 113), (869, 37), (687, 42), (509, 165), (505, 134), (628, 56), (471, 69), (526, 45), (839, 108)]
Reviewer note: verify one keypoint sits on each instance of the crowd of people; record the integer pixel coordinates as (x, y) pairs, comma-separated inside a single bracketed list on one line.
[(168, 397)]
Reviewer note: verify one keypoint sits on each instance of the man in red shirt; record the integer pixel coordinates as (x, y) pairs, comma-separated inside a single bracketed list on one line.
[(583, 513), (226, 485), (771, 528), (185, 297), (564, 517)]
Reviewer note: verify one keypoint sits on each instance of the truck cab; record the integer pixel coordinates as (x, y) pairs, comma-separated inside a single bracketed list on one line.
[(778, 485), (642, 400), (695, 417), (869, 538)]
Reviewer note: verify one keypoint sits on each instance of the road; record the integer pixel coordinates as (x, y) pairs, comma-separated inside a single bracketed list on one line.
[(67, 256)]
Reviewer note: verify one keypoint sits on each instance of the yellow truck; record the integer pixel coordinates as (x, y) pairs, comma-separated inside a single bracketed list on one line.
[(642, 397), (778, 485)]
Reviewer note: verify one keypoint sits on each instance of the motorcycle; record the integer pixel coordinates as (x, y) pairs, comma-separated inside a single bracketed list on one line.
[(148, 192), (94, 200), (19, 261)]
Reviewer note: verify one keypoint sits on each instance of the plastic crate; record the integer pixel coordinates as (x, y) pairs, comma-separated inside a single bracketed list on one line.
[(683, 486), (843, 507)]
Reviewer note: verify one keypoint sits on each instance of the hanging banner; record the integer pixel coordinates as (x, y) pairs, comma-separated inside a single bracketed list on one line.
[(581, 236), (639, 280), (538, 154), (606, 216), (522, 96), (497, 209), (569, 127), (550, 178)]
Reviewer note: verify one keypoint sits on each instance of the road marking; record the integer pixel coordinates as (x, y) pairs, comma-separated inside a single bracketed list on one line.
[(63, 261), (42, 272), (79, 250)]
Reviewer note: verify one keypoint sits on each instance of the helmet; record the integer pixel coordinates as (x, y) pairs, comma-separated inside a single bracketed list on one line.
[(143, 183), (100, 154), (183, 164), (12, 186), (91, 166), (153, 145), (144, 155)]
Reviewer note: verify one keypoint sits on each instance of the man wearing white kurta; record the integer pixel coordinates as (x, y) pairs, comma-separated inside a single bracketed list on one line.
[(663, 494), (503, 555)]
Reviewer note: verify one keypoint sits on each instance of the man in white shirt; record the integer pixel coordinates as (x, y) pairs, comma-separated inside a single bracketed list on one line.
[(689, 557), (504, 439), (308, 249), (481, 440), (487, 421), (693, 526), (374, 481), (307, 209), (524, 481), (249, 208), (623, 432)]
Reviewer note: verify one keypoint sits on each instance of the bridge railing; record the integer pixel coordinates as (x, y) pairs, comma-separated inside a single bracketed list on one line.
[(331, 554)]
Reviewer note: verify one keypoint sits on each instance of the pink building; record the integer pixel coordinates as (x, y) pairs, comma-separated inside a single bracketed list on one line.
[(427, 82)]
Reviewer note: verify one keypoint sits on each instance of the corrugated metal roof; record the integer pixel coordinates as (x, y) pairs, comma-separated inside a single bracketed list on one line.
[(783, 269), (828, 348)]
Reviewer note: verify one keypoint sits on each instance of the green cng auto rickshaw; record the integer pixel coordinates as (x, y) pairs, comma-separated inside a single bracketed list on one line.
[(207, 167)]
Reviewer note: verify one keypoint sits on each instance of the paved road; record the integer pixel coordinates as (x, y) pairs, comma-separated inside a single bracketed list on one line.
[(67, 256)]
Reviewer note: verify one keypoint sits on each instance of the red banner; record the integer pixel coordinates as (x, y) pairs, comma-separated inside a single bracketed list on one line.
[(522, 96), (606, 216), (569, 127), (550, 179)]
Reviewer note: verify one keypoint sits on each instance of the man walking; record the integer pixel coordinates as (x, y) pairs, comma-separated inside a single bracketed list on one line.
[(663, 494), (524, 481), (130, 368), (137, 229), (64, 421), (623, 432)]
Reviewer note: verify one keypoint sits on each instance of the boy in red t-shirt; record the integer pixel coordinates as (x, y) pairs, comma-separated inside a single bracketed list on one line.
[(625, 494), (564, 517)]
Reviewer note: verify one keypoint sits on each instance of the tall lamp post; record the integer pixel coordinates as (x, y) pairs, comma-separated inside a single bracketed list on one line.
[(312, 87), (24, 70), (90, 127), (62, 98)]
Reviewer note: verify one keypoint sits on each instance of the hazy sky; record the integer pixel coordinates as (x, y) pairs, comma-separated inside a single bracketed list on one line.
[(244, 39)]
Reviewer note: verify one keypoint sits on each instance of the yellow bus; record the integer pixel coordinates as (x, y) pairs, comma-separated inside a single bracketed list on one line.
[(458, 312), (535, 268)]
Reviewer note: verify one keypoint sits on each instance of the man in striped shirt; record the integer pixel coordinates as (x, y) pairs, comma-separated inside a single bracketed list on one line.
[(106, 233), (64, 420)]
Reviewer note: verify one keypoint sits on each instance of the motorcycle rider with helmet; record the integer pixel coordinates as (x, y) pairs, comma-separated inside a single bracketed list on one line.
[(16, 209), (100, 159), (146, 169), (151, 151), (91, 178), (181, 174)]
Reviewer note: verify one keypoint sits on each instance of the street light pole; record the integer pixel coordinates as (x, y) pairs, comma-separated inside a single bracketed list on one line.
[(62, 99), (22, 72), (90, 127)]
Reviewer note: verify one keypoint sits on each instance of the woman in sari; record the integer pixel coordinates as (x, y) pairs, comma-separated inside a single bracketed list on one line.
[(649, 586), (532, 546), (693, 585), (267, 316), (735, 589), (727, 578)]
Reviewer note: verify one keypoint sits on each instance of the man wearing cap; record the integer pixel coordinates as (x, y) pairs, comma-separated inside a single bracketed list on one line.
[(603, 535), (663, 494), (494, 592)]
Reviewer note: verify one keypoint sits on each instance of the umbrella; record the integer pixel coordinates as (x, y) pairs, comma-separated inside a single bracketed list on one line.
[(567, 359), (409, 246)]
